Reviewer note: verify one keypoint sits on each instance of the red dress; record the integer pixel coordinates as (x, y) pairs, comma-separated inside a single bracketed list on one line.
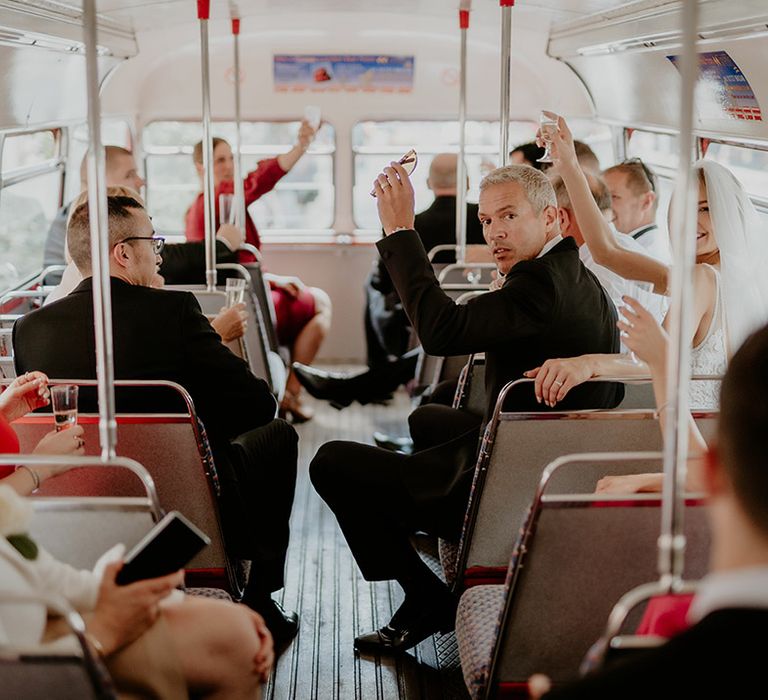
[(292, 314), (9, 444)]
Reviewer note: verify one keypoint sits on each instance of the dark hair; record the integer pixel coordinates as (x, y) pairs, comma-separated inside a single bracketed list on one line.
[(742, 434), (531, 153), (197, 151), (120, 223)]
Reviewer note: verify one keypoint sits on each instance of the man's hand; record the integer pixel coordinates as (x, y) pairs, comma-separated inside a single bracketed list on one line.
[(24, 394), (124, 613), (231, 323), (394, 198), (231, 236)]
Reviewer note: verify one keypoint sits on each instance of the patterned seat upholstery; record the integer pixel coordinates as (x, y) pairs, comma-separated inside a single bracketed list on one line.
[(216, 593), (477, 627), (449, 556)]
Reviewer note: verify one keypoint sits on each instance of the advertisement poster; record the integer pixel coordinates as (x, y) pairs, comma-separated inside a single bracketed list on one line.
[(723, 91), (320, 73)]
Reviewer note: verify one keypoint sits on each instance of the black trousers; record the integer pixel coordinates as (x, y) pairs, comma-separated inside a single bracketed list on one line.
[(380, 497), (257, 473)]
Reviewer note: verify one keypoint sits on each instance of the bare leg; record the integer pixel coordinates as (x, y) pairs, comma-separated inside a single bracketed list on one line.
[(310, 339), (218, 646)]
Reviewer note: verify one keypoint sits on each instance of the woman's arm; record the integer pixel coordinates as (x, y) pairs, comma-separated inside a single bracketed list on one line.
[(287, 160), (597, 233)]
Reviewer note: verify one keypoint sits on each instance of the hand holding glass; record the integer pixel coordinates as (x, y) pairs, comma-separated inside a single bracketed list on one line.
[(312, 116), (547, 129), (64, 402), (235, 291), (408, 161)]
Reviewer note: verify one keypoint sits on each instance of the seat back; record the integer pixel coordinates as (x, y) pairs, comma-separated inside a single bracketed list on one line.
[(475, 273), (515, 449), (171, 449), (578, 556), (470, 393)]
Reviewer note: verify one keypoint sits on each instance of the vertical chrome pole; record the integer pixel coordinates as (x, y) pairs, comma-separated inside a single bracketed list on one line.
[(209, 206), (506, 73), (99, 223), (239, 203), (461, 166), (672, 539)]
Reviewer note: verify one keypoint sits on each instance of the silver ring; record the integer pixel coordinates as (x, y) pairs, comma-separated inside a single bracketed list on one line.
[(384, 184), (558, 382)]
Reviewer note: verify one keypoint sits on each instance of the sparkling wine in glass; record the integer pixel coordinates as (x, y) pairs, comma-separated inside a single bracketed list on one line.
[(235, 291), (64, 402), (547, 128)]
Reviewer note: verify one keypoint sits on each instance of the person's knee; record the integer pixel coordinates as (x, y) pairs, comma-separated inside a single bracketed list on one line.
[(323, 469)]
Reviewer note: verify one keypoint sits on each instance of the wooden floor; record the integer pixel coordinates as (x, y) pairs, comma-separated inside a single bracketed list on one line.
[(335, 604)]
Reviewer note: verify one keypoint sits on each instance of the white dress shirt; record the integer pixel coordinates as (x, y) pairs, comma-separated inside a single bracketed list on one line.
[(654, 242), (740, 588)]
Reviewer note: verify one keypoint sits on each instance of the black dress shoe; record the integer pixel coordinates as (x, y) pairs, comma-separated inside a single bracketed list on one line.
[(397, 637), (403, 445), (283, 625), (341, 389)]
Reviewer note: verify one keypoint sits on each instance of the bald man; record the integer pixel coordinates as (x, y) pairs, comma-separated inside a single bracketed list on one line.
[(386, 326)]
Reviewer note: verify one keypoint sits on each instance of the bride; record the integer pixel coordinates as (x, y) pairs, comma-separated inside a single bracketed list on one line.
[(730, 284)]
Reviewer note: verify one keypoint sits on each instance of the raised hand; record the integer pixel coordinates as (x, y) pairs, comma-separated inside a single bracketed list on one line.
[(395, 198), (24, 394)]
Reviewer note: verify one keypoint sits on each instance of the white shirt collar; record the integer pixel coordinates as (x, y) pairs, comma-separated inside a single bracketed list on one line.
[(549, 245), (742, 588)]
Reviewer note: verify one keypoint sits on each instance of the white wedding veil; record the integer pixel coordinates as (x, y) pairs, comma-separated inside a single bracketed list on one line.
[(743, 242)]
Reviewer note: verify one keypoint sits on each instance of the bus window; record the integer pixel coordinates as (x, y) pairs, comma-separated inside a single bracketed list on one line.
[(29, 199), (301, 204), (659, 151), (749, 165)]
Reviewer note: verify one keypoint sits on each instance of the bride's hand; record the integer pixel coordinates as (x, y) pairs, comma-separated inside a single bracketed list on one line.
[(643, 335)]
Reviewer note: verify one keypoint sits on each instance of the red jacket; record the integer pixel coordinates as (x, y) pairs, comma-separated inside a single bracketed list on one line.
[(256, 183)]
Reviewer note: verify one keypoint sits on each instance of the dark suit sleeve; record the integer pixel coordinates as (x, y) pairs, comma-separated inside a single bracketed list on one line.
[(184, 263), (521, 309), (237, 400)]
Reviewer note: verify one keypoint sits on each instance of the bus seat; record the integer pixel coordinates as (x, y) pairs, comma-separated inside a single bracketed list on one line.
[(174, 452), (579, 554), (475, 273), (515, 450)]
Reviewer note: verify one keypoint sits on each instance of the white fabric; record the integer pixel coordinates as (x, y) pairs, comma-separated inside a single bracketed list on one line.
[(654, 243), (710, 356), (741, 588), (743, 243), (617, 286), (549, 245), (69, 280)]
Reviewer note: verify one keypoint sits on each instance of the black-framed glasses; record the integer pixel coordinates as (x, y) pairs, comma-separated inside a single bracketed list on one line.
[(649, 174), (158, 242)]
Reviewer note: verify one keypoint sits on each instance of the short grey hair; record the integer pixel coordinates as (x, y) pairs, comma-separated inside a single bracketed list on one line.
[(535, 184)]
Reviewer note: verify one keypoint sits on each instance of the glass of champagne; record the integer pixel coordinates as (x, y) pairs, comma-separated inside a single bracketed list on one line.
[(226, 209), (64, 402), (235, 291), (548, 128), (408, 161)]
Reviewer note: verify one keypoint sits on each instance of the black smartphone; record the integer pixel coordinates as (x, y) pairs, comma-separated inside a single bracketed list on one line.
[(166, 548)]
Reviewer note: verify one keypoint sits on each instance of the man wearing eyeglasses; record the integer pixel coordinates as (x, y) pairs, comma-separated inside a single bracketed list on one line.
[(634, 202), (163, 334)]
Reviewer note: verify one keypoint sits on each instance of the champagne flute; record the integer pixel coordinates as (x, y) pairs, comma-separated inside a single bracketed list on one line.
[(64, 402), (547, 128), (408, 161), (226, 209), (235, 291)]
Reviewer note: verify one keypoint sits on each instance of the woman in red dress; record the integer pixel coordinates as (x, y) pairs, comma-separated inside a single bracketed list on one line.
[(303, 313), (22, 395)]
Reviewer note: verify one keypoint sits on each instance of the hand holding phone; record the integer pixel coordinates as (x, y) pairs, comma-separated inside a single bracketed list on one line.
[(166, 548)]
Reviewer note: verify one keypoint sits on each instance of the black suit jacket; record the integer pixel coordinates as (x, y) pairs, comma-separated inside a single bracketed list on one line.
[(158, 334), (184, 263), (723, 656), (549, 307), (436, 225)]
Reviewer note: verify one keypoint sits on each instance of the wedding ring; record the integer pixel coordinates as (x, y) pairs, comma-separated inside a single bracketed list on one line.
[(558, 382), (385, 184)]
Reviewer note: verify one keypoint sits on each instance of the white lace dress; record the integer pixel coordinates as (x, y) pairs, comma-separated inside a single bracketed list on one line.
[(710, 356)]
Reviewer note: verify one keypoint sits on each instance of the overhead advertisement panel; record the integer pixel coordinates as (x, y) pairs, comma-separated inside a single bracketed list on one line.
[(723, 90), (329, 73)]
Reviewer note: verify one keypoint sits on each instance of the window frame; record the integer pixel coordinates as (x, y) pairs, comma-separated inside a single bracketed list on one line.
[(292, 236)]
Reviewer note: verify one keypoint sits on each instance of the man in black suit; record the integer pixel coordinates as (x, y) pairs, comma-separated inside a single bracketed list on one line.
[(723, 654), (549, 305), (162, 334)]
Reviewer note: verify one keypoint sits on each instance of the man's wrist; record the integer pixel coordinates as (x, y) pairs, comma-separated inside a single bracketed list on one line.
[(395, 229)]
